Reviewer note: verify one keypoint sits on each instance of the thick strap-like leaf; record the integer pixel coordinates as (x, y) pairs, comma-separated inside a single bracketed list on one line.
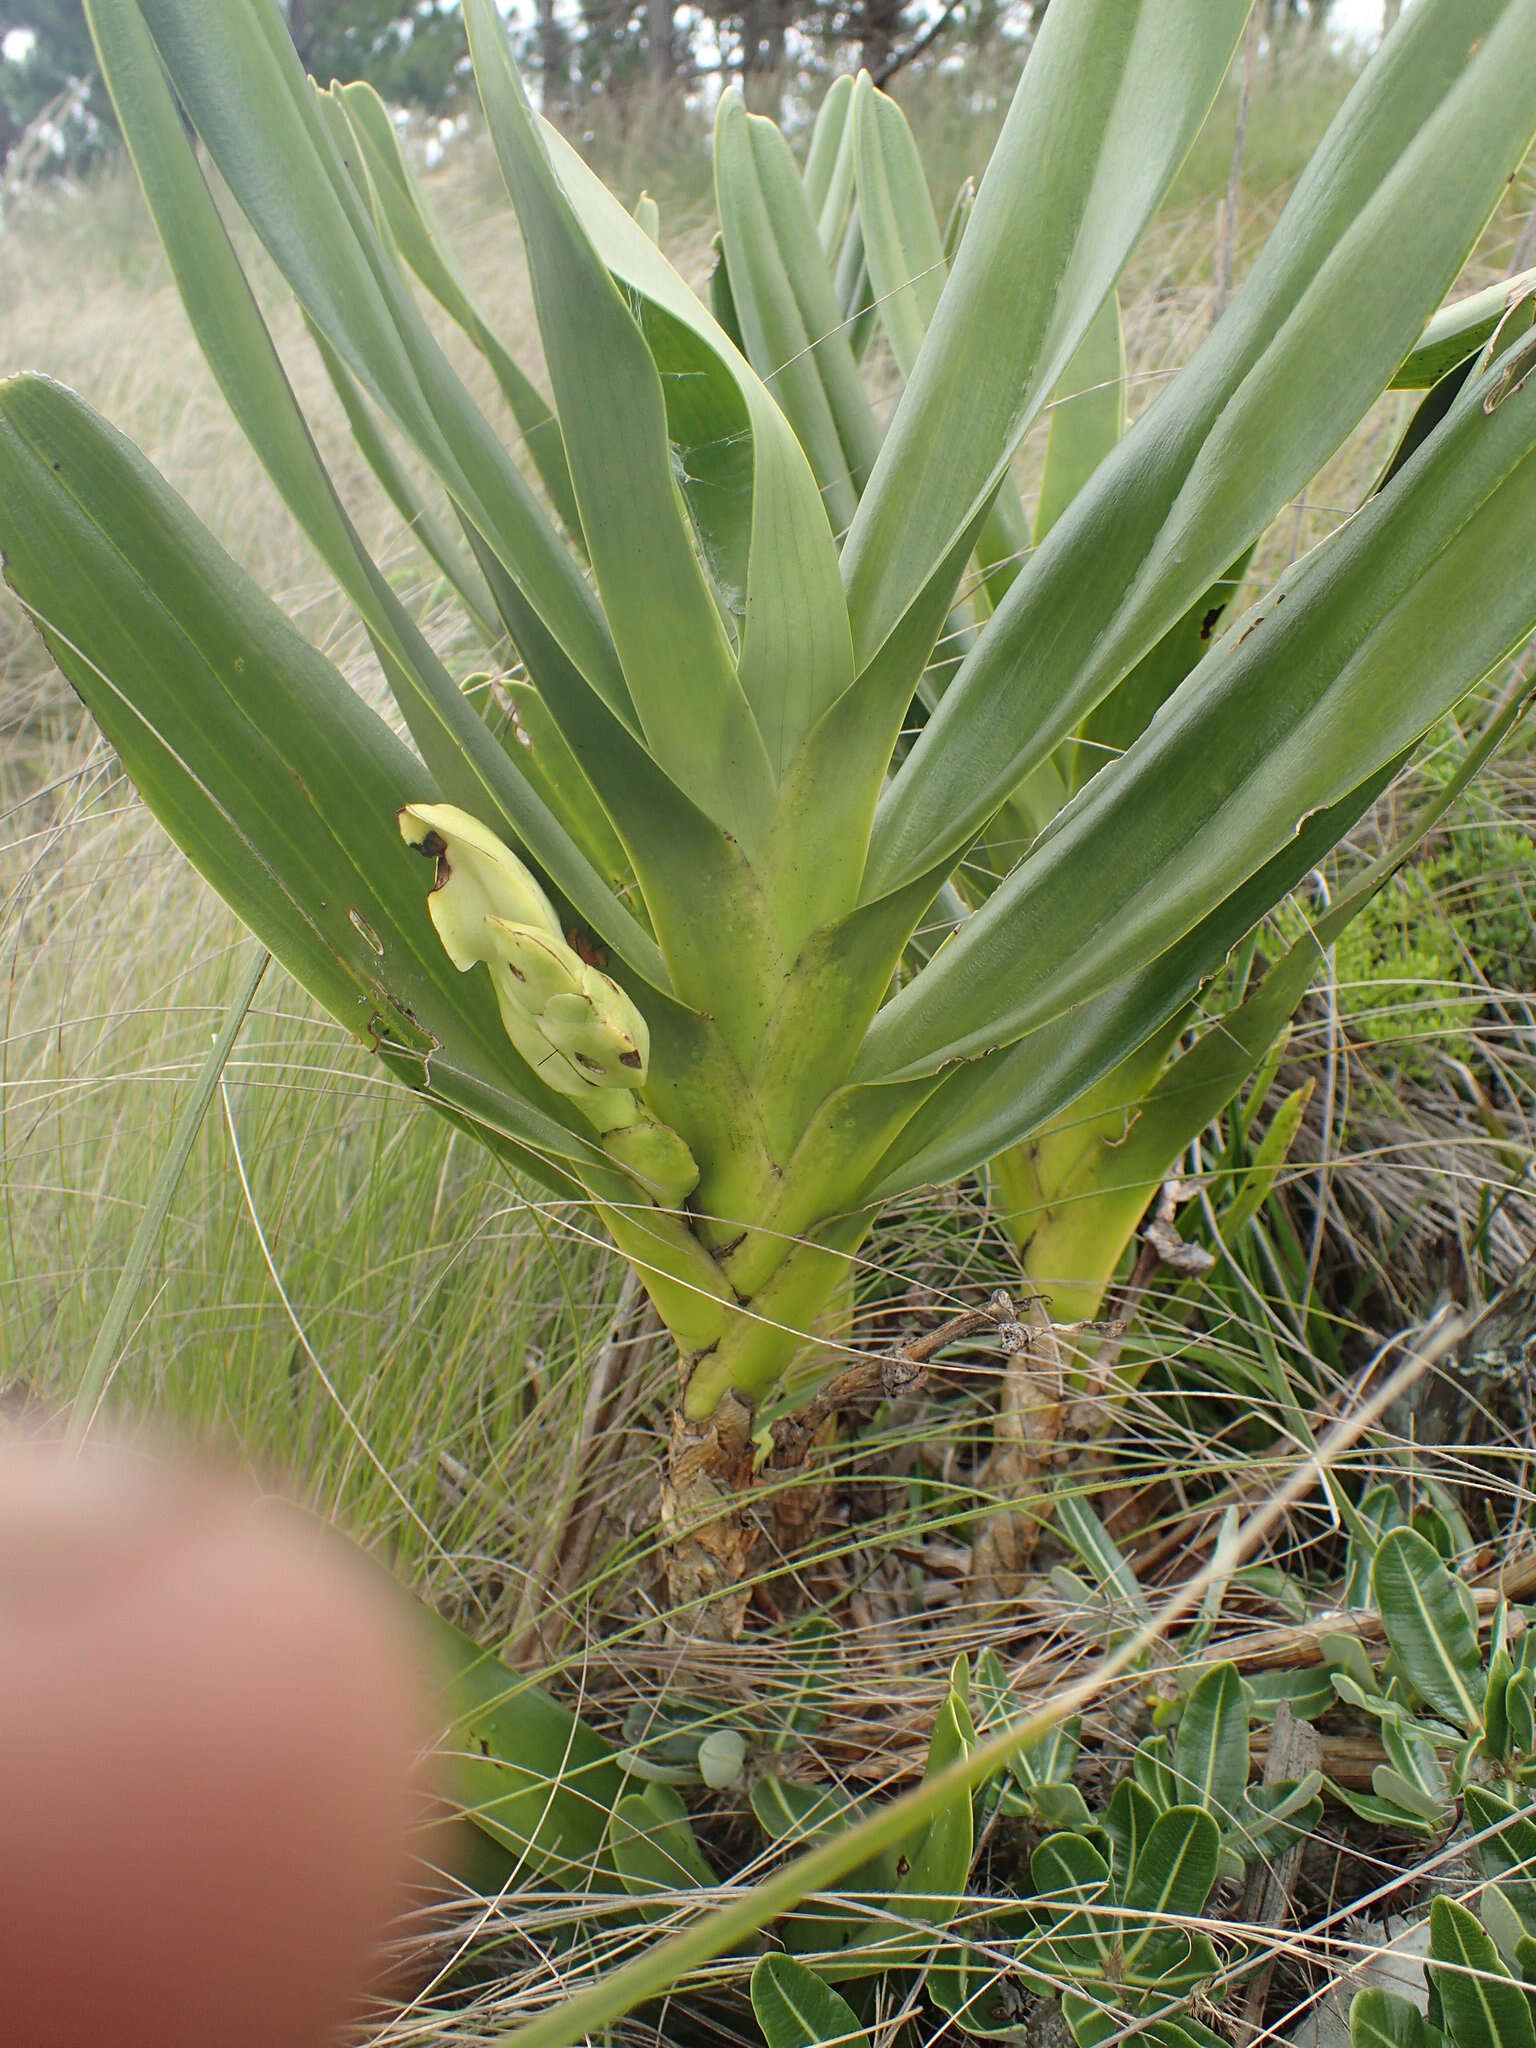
[(419, 520), (979, 1108), (278, 783), (1116, 1160), (468, 767), (539, 750), (1119, 719), (677, 661), (789, 313), (1112, 96), (1345, 664), (1459, 330), (1383, 217), (1087, 416), (780, 574), (399, 200), (236, 72), (907, 268), (828, 174), (901, 232), (680, 857)]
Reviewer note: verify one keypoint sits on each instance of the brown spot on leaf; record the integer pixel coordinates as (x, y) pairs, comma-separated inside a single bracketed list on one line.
[(433, 846)]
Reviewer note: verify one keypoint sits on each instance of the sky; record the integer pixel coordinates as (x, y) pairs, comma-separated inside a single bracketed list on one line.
[(1358, 17)]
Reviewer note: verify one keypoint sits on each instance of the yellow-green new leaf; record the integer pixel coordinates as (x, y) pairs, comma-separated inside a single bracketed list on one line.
[(828, 174), (789, 313)]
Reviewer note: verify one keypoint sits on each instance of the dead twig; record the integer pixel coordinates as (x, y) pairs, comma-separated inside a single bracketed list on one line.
[(886, 1378), (570, 1542), (1294, 1750)]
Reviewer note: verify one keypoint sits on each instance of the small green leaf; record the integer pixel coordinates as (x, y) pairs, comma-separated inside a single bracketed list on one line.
[(1345, 1655), (940, 1859), (1435, 1648), (1277, 1815), (1380, 1510), (1174, 1874), (1128, 1821), (654, 1848), (1504, 1923), (1307, 1693), (1393, 1788), (790, 1812), (1506, 1846), (1153, 1772), (1501, 1668), (1482, 2003), (1380, 2019), (1210, 1757), (1520, 1711), (1172, 1959), (796, 2010), (1071, 1883), (1099, 1551), (1381, 1813)]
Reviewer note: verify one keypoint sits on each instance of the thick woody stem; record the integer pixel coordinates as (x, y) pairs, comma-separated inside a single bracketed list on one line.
[(709, 1519)]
